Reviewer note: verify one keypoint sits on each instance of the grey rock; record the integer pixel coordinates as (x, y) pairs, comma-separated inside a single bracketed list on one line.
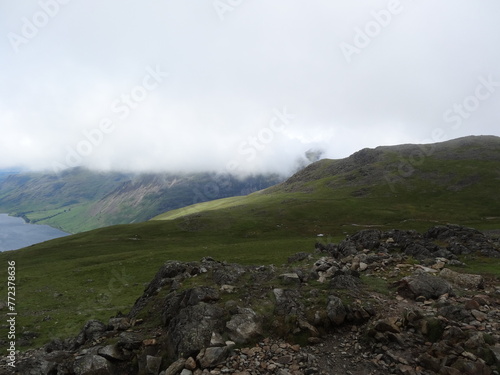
[(455, 312), (423, 284), (190, 364), (244, 326), (298, 257), (192, 328), (463, 279), (228, 274), (129, 340), (153, 364), (91, 331), (211, 357), (169, 275), (290, 278), (175, 367), (288, 302), (119, 324), (175, 302), (417, 251), (336, 310), (345, 280), (217, 339), (91, 365), (347, 248), (113, 352), (367, 239)]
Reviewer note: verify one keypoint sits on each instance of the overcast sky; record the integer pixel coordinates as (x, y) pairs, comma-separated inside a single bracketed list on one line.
[(239, 85)]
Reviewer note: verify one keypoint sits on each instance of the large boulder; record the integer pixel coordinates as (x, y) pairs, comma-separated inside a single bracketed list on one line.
[(191, 329), (423, 284), (191, 317)]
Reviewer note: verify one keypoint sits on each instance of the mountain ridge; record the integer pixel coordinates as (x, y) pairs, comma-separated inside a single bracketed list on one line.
[(406, 157), (386, 184), (79, 199)]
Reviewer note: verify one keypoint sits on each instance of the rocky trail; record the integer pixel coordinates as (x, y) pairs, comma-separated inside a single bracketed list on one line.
[(395, 302)]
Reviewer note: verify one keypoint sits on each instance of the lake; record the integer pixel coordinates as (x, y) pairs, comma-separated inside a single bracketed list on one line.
[(15, 233)]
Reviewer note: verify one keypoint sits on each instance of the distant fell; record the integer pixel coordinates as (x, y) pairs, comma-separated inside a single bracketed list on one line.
[(396, 165), (454, 181), (79, 199)]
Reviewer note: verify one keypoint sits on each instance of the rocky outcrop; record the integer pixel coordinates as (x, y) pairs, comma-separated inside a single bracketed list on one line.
[(211, 317), (440, 241)]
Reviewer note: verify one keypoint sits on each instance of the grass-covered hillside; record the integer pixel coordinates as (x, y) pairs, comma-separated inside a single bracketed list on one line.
[(409, 185), (94, 275), (78, 199)]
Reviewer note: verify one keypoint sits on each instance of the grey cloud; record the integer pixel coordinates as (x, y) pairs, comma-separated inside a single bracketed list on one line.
[(228, 77)]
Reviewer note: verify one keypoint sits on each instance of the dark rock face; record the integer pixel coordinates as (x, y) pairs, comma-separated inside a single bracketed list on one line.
[(191, 330), (175, 302)]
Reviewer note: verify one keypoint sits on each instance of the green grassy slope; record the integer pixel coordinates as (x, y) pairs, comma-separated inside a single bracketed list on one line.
[(387, 186), (79, 199), (93, 275)]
